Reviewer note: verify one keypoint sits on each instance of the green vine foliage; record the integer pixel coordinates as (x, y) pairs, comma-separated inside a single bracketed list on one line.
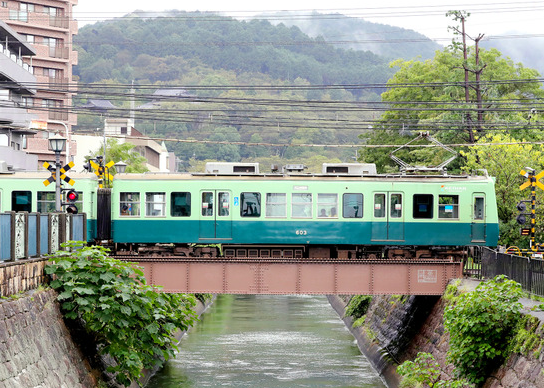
[(425, 371), (358, 306), (480, 324), (128, 320)]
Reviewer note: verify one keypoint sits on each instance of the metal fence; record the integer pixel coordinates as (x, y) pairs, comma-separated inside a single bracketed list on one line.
[(25, 235), (487, 263)]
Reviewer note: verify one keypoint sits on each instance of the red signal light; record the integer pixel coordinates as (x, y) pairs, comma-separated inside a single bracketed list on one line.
[(72, 196)]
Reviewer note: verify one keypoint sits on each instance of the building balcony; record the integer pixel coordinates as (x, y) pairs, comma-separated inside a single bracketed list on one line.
[(14, 114), (38, 19), (57, 115)]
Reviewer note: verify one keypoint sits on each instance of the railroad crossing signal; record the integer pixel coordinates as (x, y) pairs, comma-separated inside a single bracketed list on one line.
[(63, 172), (102, 171), (533, 183), (530, 178)]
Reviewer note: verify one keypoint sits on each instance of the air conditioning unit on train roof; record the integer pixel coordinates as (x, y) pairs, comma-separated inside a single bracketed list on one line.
[(357, 169), (224, 168)]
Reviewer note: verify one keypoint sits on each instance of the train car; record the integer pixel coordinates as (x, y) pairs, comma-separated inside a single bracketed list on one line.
[(25, 191), (242, 213)]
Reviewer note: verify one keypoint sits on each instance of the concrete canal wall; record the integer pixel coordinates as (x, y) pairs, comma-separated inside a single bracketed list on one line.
[(396, 328)]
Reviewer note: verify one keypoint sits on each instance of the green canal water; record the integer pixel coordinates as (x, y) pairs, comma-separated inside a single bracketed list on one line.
[(268, 342)]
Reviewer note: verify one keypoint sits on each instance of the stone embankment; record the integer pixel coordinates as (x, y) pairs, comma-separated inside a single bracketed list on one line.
[(396, 328), (36, 349)]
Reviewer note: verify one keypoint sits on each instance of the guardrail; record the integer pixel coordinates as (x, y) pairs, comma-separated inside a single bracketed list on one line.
[(487, 263), (29, 235)]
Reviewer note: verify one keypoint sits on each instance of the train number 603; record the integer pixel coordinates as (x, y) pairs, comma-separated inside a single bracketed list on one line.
[(301, 232)]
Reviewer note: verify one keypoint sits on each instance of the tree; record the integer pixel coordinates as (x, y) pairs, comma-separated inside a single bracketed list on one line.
[(117, 152), (504, 162)]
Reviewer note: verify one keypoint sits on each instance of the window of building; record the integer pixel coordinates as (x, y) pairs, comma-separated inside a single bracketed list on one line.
[(21, 201), (352, 206), (155, 204), (180, 204), (423, 206), (4, 94), (327, 205), (27, 101), (448, 206), (129, 204), (3, 4), (276, 205), (28, 38), (123, 130), (51, 11), (379, 205), (301, 205), (250, 204)]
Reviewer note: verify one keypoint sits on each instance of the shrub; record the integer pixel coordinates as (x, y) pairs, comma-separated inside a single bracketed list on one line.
[(479, 324), (128, 320)]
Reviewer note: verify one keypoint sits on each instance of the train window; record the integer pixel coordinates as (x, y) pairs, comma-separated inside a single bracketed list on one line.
[(396, 205), (353, 206), (250, 204), (180, 204), (155, 204), (207, 204), (276, 205), (379, 205), (46, 202), (423, 206), (21, 201), (327, 205), (224, 204), (478, 208), (129, 204), (448, 206), (301, 205)]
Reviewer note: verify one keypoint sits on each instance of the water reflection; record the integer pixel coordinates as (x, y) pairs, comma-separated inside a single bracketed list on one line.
[(268, 341)]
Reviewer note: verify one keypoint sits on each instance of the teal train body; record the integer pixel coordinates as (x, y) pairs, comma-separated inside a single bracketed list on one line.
[(288, 215)]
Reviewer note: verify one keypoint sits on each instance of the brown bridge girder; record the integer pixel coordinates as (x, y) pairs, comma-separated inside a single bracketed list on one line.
[(298, 276)]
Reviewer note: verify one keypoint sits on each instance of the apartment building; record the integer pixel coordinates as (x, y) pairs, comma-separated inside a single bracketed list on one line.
[(48, 27), (17, 84)]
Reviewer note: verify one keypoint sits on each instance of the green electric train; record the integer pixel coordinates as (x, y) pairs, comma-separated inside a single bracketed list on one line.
[(239, 212), (233, 210)]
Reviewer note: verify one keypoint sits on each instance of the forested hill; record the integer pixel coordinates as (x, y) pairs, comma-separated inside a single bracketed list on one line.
[(357, 34), (129, 48)]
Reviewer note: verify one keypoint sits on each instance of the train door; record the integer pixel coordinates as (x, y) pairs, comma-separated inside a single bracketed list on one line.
[(215, 221), (388, 217), (478, 217)]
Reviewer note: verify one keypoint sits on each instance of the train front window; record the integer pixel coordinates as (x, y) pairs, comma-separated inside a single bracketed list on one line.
[(353, 206), (21, 201), (155, 204), (250, 204), (276, 205), (180, 204), (129, 204), (423, 206), (448, 206)]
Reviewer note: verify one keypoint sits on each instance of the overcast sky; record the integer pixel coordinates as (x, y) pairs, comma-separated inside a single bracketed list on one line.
[(425, 16)]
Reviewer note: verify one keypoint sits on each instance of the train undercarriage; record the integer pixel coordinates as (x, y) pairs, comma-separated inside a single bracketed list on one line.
[(359, 252)]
